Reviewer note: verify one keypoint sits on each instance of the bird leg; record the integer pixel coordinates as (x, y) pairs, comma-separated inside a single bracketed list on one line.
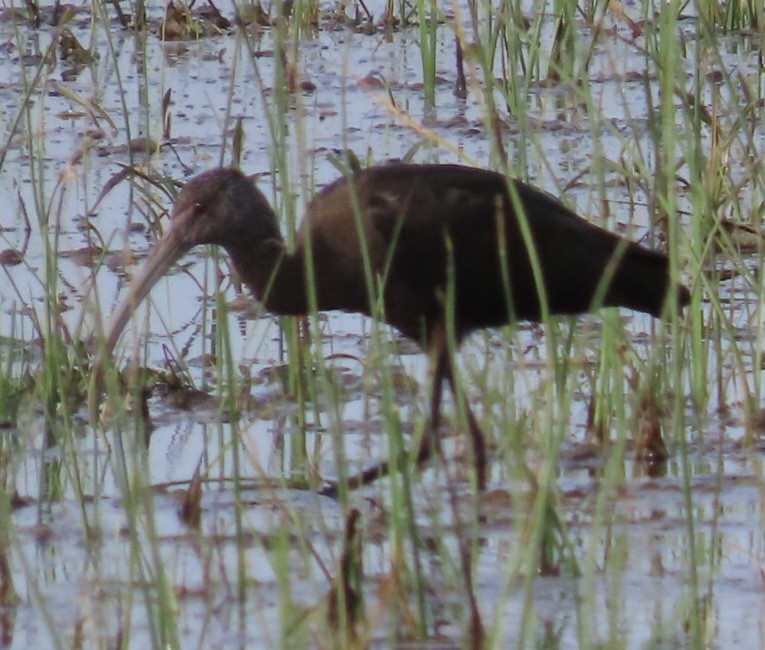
[(429, 443), (477, 439)]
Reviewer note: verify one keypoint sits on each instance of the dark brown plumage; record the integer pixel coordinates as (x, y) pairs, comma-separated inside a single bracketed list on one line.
[(421, 234)]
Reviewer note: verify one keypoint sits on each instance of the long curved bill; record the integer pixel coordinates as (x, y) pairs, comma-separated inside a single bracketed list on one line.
[(173, 245)]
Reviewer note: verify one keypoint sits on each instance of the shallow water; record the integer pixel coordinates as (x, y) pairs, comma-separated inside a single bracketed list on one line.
[(632, 539)]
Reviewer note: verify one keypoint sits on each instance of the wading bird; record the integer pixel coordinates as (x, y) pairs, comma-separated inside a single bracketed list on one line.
[(449, 249)]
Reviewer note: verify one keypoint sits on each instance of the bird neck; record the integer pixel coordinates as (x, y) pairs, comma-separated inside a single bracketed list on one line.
[(275, 276)]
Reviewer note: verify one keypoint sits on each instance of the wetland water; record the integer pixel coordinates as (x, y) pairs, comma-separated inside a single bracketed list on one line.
[(95, 562)]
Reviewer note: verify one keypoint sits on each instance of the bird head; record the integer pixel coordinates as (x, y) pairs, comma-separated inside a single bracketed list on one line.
[(220, 206)]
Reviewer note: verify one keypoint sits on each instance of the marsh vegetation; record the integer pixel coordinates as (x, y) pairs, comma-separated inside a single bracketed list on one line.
[(188, 515)]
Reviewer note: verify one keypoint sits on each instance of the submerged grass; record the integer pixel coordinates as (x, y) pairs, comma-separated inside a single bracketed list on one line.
[(687, 164)]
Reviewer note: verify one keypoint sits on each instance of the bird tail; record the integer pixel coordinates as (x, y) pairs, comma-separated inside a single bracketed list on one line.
[(641, 280)]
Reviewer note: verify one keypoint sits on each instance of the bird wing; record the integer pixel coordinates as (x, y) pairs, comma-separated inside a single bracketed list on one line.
[(399, 223)]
